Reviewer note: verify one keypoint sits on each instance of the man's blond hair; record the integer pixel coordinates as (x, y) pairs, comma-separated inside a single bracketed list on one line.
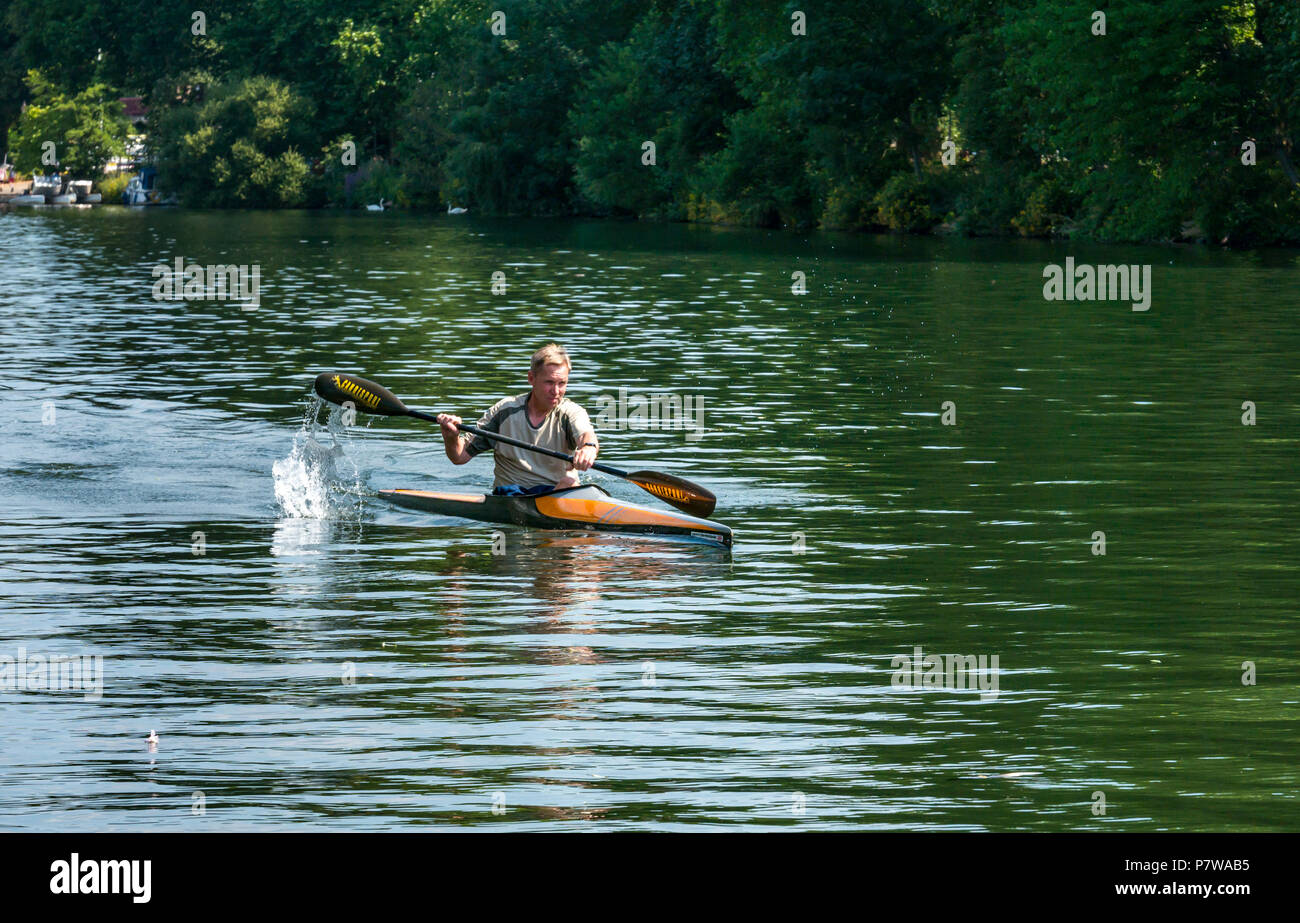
[(550, 354)]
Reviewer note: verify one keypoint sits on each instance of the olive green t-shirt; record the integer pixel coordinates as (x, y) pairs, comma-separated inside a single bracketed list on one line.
[(560, 430)]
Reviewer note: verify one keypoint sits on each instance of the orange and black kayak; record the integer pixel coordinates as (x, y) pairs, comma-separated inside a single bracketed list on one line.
[(586, 507)]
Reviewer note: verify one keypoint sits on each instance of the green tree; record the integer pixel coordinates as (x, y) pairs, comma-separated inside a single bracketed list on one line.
[(130, 44), (495, 117), (239, 146), (1149, 116), (13, 71), (761, 177), (856, 84), (87, 129), (662, 85)]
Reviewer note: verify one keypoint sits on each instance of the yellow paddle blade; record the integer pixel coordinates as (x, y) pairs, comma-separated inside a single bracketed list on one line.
[(365, 395), (681, 493)]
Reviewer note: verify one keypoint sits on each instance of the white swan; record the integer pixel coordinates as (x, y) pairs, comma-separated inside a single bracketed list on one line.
[(377, 208), (456, 211)]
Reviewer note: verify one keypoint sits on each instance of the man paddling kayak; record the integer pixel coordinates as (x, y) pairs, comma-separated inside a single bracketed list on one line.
[(542, 416), (560, 507)]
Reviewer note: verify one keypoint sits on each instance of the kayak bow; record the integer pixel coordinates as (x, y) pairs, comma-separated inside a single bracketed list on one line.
[(584, 507)]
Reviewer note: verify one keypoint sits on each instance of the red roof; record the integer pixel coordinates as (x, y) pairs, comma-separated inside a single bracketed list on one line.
[(134, 108)]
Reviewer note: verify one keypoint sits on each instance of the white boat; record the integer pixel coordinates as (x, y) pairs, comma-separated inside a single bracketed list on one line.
[(143, 189), (46, 185), (136, 194), (84, 196)]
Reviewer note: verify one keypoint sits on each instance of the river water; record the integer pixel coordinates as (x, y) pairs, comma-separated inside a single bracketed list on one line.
[(311, 658)]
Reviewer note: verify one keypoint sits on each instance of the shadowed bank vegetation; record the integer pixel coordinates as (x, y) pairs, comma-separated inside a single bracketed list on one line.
[(803, 114)]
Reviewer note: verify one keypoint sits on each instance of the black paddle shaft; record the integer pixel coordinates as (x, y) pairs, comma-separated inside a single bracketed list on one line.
[(608, 469)]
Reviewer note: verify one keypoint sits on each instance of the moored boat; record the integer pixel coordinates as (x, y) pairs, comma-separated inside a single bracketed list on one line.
[(587, 507), (81, 188), (46, 186), (136, 193), (142, 189)]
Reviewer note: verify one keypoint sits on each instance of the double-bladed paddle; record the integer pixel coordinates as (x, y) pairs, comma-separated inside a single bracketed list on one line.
[(338, 388)]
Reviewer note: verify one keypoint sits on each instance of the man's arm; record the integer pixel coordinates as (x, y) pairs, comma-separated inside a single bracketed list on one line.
[(451, 440), (588, 448)]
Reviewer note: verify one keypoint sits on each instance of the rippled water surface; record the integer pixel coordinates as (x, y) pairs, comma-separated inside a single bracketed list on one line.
[(328, 661)]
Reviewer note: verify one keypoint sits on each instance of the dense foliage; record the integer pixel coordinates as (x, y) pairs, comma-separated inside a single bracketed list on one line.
[(238, 145), (1171, 119), (75, 133)]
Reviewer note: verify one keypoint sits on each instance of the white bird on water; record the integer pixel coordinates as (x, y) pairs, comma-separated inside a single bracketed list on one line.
[(456, 211), (377, 208)]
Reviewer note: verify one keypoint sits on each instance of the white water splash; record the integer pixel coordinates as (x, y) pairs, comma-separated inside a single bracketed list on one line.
[(318, 480)]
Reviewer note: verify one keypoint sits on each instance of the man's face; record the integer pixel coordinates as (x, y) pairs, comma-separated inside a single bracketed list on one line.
[(549, 384)]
